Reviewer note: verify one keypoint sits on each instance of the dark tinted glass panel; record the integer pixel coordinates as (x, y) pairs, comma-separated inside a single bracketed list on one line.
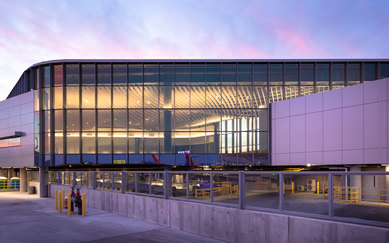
[(353, 73), (104, 120), (307, 74), (245, 75), (151, 74), (88, 120), (58, 75), (103, 73), (275, 74), (291, 74), (228, 73), (182, 73), (119, 74), (338, 73), (213, 73), (369, 71), (135, 74), (88, 73), (166, 74), (198, 73), (260, 73), (72, 120), (384, 70), (72, 74), (46, 76), (323, 73)]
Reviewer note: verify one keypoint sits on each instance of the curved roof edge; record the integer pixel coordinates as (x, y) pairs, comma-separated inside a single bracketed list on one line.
[(211, 60)]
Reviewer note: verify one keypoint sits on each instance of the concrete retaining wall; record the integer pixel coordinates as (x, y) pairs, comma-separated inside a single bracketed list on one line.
[(228, 224)]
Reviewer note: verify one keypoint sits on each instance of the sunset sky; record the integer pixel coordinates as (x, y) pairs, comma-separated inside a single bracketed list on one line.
[(35, 31)]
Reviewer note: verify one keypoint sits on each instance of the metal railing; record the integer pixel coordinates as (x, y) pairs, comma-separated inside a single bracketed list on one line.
[(326, 195)]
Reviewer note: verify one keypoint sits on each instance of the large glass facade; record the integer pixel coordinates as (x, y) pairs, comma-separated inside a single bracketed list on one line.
[(183, 113)]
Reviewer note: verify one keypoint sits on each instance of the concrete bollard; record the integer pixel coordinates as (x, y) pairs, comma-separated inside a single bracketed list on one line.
[(69, 205), (83, 204), (60, 202), (56, 200)]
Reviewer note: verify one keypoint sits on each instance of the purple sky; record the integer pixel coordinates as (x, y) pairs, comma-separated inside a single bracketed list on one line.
[(34, 31)]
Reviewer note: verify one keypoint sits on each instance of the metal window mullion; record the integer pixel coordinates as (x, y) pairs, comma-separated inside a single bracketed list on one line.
[(281, 195), (241, 189), (187, 185), (166, 185), (330, 76), (345, 74), (96, 118), (94, 179), (74, 178), (330, 195), (111, 85), (124, 182), (103, 180), (113, 180), (136, 182), (79, 113), (211, 186), (150, 183)]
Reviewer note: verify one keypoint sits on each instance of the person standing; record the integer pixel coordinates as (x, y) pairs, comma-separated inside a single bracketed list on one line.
[(72, 199)]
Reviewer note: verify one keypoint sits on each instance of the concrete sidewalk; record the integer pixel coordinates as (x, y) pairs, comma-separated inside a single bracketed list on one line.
[(28, 218)]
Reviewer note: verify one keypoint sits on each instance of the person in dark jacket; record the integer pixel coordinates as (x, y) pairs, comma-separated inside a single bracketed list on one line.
[(72, 199), (79, 201)]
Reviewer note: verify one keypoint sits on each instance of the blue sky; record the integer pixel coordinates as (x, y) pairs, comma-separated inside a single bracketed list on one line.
[(34, 31)]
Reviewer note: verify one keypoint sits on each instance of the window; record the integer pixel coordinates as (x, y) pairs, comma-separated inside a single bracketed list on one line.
[(369, 71), (260, 73), (291, 74), (135, 74), (275, 76), (353, 73), (151, 74), (103, 73), (119, 74), (88, 74), (307, 74), (198, 73), (228, 74), (245, 74), (46, 76), (72, 74), (58, 75)]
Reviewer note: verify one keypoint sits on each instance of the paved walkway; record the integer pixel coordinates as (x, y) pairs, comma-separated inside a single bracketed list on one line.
[(28, 218)]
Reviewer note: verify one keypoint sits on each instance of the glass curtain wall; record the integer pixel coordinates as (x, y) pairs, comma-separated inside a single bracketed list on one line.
[(174, 113)]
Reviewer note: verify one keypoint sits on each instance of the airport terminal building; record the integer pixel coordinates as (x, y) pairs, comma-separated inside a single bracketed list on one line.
[(191, 113)]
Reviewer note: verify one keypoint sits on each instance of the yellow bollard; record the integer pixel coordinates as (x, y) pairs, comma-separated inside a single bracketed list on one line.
[(318, 187), (56, 200), (69, 206), (63, 198), (83, 204), (283, 188), (60, 202), (278, 189), (292, 187)]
